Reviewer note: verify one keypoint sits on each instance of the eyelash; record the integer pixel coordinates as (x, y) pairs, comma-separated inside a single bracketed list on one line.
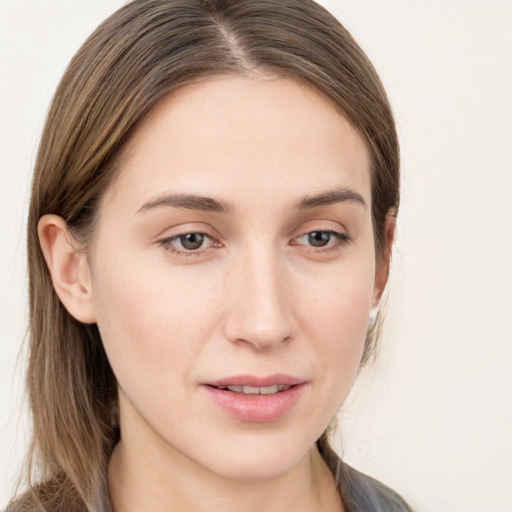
[(341, 239), (167, 244)]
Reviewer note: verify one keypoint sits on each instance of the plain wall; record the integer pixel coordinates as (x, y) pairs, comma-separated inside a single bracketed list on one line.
[(432, 417)]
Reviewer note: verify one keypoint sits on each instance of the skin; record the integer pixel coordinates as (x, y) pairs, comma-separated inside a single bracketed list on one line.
[(255, 298)]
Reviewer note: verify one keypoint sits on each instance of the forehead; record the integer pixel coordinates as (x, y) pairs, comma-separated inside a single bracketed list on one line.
[(238, 137)]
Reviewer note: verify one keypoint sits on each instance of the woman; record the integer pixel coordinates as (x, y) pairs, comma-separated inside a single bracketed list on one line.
[(211, 225)]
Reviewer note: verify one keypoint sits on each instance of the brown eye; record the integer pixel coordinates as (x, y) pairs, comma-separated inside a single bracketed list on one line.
[(319, 238), (192, 241), (323, 239)]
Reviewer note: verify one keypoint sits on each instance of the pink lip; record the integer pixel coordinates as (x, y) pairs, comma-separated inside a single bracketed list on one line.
[(256, 408), (257, 382)]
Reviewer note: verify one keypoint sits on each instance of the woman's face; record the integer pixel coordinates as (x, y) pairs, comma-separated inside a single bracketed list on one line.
[(233, 273)]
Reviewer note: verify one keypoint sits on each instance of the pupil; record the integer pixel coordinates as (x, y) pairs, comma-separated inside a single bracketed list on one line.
[(319, 238), (192, 241)]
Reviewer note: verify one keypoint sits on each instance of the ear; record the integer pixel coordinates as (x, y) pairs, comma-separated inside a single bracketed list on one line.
[(68, 266), (382, 265)]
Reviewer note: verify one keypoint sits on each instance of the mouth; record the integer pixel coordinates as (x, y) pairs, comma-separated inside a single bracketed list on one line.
[(255, 399), (253, 390), (253, 385)]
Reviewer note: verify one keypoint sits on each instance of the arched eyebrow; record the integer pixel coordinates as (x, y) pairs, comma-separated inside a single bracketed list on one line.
[(330, 197), (187, 201)]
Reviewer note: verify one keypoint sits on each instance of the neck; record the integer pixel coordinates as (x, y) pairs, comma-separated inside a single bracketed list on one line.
[(141, 481)]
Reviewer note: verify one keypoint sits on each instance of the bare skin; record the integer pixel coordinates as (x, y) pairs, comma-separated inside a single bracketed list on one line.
[(235, 243), (310, 487)]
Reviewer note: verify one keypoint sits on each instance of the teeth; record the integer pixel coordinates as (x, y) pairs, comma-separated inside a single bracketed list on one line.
[(251, 390), (269, 390)]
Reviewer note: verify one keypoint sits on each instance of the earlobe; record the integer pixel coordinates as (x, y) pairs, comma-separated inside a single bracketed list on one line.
[(68, 267), (382, 266)]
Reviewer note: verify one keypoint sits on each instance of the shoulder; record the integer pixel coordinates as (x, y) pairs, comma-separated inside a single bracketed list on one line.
[(47, 498), (362, 493)]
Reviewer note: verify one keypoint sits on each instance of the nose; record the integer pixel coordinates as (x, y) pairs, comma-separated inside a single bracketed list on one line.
[(261, 309)]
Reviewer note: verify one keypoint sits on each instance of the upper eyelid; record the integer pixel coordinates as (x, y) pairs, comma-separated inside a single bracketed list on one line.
[(213, 234), (185, 233), (181, 230), (338, 230), (319, 223), (323, 230)]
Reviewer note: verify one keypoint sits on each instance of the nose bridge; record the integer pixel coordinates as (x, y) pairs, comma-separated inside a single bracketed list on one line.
[(261, 313)]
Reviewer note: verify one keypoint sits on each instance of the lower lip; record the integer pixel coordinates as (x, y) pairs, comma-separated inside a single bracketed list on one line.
[(255, 408)]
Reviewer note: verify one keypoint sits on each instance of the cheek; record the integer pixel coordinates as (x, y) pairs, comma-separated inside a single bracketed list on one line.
[(152, 318), (335, 314)]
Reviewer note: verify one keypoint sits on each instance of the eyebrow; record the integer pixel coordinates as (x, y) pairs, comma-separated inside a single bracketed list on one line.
[(330, 197), (210, 204), (187, 201)]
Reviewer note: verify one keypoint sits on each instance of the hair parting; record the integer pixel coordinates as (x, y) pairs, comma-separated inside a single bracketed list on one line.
[(140, 54)]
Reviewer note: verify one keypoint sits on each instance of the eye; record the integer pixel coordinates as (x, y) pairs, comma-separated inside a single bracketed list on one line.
[(191, 241), (187, 243), (323, 239), (319, 238)]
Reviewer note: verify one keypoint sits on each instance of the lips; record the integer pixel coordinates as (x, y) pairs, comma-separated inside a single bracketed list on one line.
[(256, 399), (253, 390)]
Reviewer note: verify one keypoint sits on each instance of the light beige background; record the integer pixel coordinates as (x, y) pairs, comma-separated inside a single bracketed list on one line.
[(433, 416)]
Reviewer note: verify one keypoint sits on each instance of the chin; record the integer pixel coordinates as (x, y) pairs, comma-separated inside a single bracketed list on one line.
[(256, 471), (260, 462)]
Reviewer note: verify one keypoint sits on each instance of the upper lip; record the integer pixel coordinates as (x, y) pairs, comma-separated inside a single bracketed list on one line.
[(256, 381)]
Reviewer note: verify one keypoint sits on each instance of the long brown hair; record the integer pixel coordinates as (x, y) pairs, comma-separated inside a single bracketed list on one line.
[(136, 57)]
